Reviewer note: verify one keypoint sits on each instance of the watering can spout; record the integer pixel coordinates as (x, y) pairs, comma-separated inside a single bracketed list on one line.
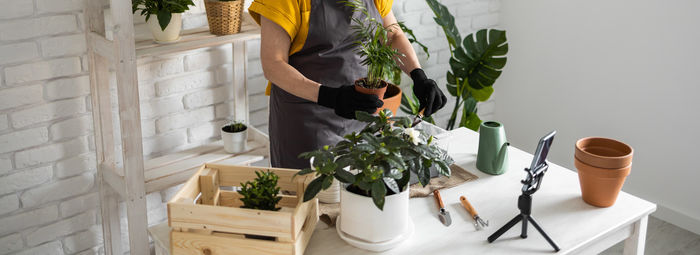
[(501, 157)]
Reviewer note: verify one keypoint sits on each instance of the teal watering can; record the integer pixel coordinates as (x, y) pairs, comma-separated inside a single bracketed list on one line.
[(493, 148)]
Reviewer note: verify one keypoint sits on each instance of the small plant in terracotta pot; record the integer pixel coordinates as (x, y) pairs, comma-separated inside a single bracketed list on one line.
[(603, 164), (234, 134), (378, 55)]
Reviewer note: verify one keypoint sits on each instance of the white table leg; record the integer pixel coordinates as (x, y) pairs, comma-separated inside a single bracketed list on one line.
[(635, 243)]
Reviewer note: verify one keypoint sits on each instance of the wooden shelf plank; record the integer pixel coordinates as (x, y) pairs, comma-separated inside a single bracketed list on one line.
[(175, 168), (182, 176), (196, 38), (198, 160)]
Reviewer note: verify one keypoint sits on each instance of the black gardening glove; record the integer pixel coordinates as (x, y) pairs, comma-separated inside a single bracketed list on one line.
[(426, 90), (346, 101)]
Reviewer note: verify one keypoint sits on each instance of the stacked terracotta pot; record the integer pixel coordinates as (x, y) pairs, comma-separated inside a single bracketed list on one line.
[(603, 165)]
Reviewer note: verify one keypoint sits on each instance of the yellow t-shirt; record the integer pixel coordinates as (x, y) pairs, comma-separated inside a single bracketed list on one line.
[(293, 17)]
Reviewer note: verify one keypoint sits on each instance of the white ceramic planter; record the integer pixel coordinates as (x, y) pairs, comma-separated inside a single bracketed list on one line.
[(172, 31), (234, 142), (361, 219)]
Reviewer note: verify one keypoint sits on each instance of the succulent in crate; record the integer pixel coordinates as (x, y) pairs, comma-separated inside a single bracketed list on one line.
[(261, 193)]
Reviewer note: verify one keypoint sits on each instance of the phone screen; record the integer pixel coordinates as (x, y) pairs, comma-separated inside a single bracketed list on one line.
[(542, 150)]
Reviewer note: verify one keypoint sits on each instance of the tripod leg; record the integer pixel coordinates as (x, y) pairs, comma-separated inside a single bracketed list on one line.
[(505, 228), (523, 234), (546, 237)]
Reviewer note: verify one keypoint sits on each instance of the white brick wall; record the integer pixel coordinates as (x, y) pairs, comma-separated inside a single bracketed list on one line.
[(48, 197)]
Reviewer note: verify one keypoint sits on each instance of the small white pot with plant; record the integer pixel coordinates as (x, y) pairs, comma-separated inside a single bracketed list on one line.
[(374, 198), (235, 135), (167, 23)]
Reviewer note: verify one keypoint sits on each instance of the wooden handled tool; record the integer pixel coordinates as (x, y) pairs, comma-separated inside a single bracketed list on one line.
[(443, 214), (478, 222), (418, 118), (468, 206)]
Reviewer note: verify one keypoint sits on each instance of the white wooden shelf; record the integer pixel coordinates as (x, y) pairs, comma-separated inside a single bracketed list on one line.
[(195, 39), (138, 176)]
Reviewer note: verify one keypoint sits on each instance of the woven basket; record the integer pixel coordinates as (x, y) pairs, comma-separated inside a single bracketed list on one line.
[(224, 17)]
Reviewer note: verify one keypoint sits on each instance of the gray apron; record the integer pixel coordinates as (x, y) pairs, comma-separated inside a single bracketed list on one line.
[(327, 57)]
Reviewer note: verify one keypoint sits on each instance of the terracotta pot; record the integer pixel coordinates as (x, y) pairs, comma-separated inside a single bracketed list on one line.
[(600, 186), (390, 95), (603, 152)]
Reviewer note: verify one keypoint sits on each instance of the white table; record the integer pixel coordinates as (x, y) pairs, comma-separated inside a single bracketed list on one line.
[(578, 228)]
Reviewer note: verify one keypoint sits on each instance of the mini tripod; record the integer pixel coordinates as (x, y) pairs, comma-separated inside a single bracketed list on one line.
[(531, 184)]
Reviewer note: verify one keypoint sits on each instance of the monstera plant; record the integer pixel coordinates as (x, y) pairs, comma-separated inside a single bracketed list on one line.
[(475, 64)]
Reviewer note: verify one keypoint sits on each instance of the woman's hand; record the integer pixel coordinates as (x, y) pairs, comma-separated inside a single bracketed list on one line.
[(426, 90)]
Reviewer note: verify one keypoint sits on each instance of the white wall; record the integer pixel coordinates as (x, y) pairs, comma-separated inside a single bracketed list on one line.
[(48, 195), (623, 69)]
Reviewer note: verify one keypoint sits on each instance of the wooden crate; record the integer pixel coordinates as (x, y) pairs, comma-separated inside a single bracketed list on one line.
[(206, 219)]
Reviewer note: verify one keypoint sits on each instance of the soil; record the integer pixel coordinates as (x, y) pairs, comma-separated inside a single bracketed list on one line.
[(233, 128), (355, 189), (362, 83)]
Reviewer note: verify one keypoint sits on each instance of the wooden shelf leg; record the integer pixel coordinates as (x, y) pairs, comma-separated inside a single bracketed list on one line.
[(634, 245), (104, 134), (109, 207), (130, 125)]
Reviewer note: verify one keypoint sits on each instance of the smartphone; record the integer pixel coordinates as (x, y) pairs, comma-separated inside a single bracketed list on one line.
[(542, 150)]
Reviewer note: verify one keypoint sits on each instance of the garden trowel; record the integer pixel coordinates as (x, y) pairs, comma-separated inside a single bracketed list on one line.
[(443, 214)]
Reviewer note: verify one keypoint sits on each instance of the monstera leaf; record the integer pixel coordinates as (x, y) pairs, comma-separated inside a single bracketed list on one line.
[(444, 18), (474, 67), (480, 60)]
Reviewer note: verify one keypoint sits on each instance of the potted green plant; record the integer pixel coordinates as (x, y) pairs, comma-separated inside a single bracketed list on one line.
[(374, 166), (379, 57), (167, 25), (235, 135), (224, 16), (475, 64), (261, 194)]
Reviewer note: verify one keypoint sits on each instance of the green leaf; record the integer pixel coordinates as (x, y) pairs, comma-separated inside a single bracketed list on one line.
[(402, 121), (442, 168), (313, 188), (452, 89), (403, 182), (412, 37), (391, 183), (365, 117), (304, 171), (164, 17), (473, 122), (327, 181), (444, 19), (344, 176), (378, 194), (482, 95)]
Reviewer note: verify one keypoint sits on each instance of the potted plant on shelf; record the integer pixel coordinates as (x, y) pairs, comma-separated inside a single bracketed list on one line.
[(224, 16), (261, 194), (374, 167), (234, 134), (167, 25), (379, 57)]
